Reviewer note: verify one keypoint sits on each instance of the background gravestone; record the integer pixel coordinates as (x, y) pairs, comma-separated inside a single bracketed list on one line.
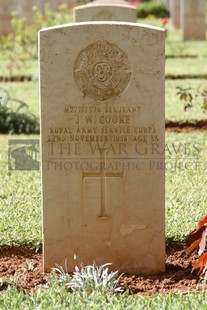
[(193, 19), (175, 12), (25, 9), (102, 133), (6, 8), (105, 10)]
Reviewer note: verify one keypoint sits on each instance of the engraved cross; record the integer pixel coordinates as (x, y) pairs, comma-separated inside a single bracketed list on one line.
[(102, 174)]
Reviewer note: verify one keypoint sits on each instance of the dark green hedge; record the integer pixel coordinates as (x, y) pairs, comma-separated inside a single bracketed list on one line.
[(151, 8), (17, 123)]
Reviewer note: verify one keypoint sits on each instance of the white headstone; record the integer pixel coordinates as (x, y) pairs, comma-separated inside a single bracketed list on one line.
[(175, 12), (102, 133), (193, 19), (105, 10), (6, 8), (25, 9), (166, 3)]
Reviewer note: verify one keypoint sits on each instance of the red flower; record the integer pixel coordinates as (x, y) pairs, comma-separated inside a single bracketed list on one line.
[(164, 21)]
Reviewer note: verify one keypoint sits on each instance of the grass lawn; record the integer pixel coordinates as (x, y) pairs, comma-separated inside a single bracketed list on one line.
[(28, 68), (20, 210), (185, 182), (27, 92), (186, 66), (58, 298), (174, 107), (175, 47)]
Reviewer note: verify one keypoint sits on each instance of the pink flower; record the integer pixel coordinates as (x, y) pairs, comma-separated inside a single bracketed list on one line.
[(135, 1), (164, 21)]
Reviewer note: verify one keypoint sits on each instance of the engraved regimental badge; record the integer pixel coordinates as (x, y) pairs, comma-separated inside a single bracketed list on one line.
[(102, 70)]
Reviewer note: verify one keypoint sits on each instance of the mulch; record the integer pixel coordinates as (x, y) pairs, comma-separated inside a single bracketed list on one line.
[(24, 264)]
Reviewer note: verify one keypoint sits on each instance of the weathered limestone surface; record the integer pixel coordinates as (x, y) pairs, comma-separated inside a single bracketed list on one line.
[(6, 8), (193, 19), (105, 10), (102, 133), (175, 12)]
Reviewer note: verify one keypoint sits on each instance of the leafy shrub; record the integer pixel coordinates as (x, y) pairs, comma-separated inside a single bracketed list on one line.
[(197, 241), (15, 117), (152, 8), (192, 97)]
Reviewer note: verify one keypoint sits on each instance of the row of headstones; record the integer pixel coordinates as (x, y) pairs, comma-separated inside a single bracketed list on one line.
[(116, 10), (190, 16)]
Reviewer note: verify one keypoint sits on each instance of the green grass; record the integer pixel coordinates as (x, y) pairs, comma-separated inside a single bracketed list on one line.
[(186, 66), (20, 211), (59, 298), (174, 108), (24, 91), (187, 48), (186, 198), (27, 68)]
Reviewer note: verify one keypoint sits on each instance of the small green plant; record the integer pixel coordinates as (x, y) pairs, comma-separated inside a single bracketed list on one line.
[(197, 241), (15, 116), (60, 275), (88, 279), (151, 8), (4, 283), (192, 97), (92, 277)]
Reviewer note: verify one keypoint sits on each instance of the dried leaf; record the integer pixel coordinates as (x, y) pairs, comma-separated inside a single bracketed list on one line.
[(194, 235), (194, 246), (202, 222), (201, 262), (202, 244)]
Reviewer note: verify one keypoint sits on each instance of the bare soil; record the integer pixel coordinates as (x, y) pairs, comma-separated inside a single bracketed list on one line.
[(23, 78), (24, 264), (186, 126)]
